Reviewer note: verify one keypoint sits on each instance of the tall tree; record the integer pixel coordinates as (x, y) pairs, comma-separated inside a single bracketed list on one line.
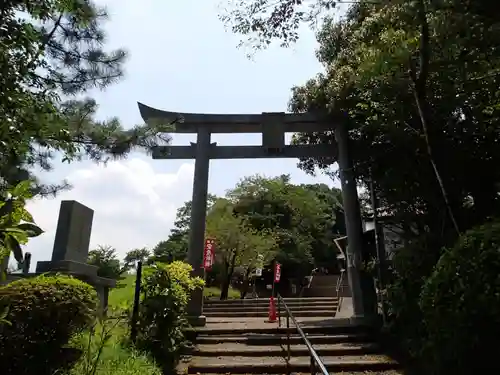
[(330, 225), (384, 67), (296, 215), (175, 247), (134, 256), (53, 49), (172, 249), (237, 243), (106, 260)]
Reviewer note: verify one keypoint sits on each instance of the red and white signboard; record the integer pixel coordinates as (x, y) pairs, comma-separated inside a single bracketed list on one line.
[(277, 272), (209, 254)]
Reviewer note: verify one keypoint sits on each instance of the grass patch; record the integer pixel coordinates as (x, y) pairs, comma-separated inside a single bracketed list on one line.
[(214, 292), (116, 357), (122, 296), (106, 353), (109, 341)]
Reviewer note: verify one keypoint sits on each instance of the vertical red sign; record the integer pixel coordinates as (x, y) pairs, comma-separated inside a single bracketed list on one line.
[(277, 272), (209, 254)]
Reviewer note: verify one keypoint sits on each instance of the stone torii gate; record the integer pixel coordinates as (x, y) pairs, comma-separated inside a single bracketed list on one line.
[(273, 127)]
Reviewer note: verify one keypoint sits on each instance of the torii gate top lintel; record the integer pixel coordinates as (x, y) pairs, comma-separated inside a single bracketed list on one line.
[(239, 123)]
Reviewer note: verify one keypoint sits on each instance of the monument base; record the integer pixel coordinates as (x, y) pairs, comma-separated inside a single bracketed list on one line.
[(67, 266), (197, 321), (81, 271)]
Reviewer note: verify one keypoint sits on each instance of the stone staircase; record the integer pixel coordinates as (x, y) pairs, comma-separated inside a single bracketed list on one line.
[(300, 307), (326, 286), (245, 345)]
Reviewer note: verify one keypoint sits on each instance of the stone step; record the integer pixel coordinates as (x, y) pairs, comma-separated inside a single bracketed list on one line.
[(265, 309), (302, 313), (274, 339), (389, 372), (274, 330), (278, 365), (266, 301), (310, 306), (243, 350)]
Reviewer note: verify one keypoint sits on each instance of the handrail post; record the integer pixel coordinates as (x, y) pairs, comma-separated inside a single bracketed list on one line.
[(316, 362), (288, 336), (279, 311)]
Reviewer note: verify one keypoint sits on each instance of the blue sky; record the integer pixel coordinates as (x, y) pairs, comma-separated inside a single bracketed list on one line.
[(181, 59)]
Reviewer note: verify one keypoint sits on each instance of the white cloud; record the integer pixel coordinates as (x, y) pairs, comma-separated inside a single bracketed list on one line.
[(134, 206)]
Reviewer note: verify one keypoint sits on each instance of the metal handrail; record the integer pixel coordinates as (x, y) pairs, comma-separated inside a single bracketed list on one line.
[(315, 360), (339, 284)]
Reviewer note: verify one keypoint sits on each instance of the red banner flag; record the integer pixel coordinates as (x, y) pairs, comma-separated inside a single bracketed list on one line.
[(277, 272), (208, 254)]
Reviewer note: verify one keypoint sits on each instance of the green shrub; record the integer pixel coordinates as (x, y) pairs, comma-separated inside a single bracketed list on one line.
[(411, 266), (165, 294), (460, 303), (105, 350), (43, 313)]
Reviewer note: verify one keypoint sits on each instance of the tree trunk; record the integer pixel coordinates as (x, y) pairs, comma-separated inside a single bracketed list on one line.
[(224, 287), (224, 292), (244, 290), (420, 94), (245, 285)]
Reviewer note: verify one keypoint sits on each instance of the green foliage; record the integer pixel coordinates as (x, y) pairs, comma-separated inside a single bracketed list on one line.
[(460, 302), (264, 21), (417, 84), (237, 243), (43, 314), (16, 223), (302, 219), (107, 262), (122, 297), (105, 350), (411, 267), (174, 248), (135, 256), (50, 49), (165, 294)]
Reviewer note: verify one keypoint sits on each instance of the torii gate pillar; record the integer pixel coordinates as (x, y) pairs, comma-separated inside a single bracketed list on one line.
[(198, 221)]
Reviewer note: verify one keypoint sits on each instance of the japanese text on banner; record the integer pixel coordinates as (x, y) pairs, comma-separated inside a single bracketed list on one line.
[(209, 254)]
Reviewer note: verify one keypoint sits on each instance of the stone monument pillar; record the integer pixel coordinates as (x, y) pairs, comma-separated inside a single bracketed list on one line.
[(72, 240), (71, 249)]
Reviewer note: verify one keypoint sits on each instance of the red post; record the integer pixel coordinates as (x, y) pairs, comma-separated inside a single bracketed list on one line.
[(272, 303)]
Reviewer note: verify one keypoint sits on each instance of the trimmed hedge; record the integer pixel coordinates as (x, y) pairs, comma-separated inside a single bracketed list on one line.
[(43, 313), (460, 304)]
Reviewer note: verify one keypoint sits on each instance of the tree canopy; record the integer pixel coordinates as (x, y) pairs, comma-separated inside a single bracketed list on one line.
[(271, 217), (51, 53), (303, 218), (107, 262), (417, 82), (238, 244)]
